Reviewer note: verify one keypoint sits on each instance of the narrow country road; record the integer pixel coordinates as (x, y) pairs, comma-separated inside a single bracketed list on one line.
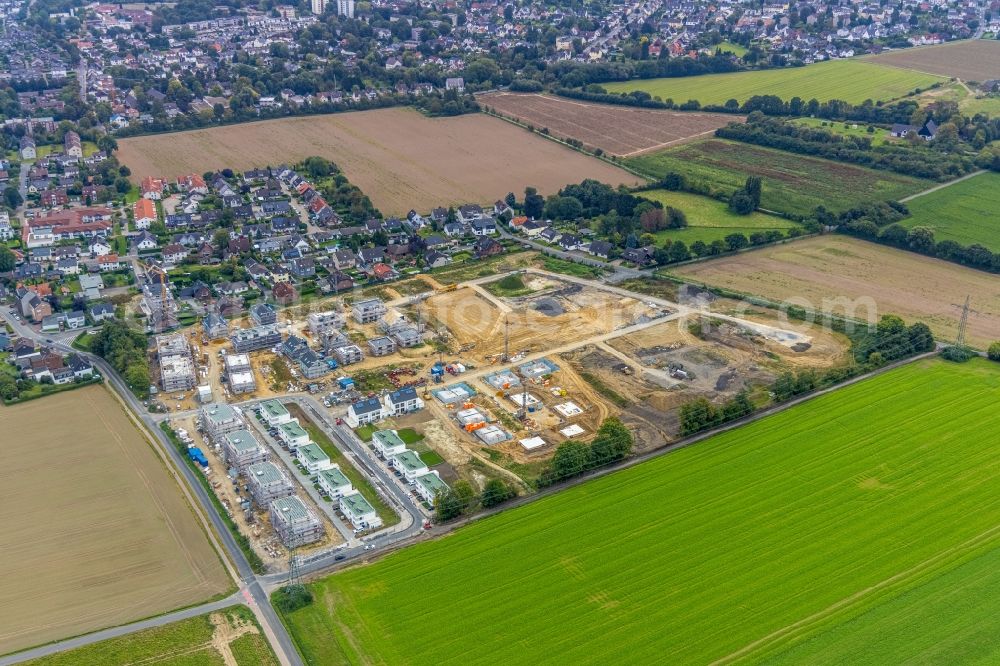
[(942, 186)]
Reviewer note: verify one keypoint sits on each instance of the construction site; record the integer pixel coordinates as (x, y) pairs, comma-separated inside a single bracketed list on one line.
[(509, 366)]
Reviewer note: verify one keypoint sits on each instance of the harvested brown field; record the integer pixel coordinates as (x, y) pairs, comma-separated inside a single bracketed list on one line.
[(849, 276), (400, 158), (617, 130), (96, 529), (969, 60)]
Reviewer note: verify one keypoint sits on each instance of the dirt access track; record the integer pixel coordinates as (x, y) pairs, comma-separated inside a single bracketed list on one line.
[(617, 130), (401, 159), (96, 531), (969, 60), (864, 280)]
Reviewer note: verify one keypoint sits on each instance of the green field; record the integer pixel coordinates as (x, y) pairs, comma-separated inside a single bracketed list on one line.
[(730, 47), (852, 81), (967, 212), (710, 219), (878, 137), (793, 184), (183, 643), (784, 534)]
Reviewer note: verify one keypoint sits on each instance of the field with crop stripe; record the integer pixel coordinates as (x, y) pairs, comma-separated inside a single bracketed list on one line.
[(852, 81), (733, 549)]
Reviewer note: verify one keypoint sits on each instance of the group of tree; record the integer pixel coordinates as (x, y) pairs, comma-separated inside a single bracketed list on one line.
[(460, 498), (125, 349), (938, 159), (771, 105), (993, 351), (747, 199), (701, 414), (612, 443), (879, 223)]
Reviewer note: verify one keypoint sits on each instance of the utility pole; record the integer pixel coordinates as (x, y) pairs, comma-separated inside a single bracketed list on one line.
[(963, 323)]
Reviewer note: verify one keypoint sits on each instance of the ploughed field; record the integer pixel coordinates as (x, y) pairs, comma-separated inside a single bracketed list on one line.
[(737, 548), (852, 81), (617, 130), (862, 280), (401, 159), (96, 530), (970, 59)]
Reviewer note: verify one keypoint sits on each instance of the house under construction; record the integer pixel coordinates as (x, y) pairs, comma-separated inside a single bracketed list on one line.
[(294, 523)]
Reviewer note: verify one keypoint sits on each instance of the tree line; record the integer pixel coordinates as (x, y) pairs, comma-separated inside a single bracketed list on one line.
[(930, 160), (872, 347), (125, 349), (878, 222)]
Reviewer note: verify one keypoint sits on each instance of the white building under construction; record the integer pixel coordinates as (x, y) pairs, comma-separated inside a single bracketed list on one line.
[(294, 523), (177, 371), (242, 449), (267, 483)]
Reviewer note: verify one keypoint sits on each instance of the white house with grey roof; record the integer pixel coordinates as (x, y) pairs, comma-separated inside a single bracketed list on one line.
[(369, 410), (312, 457), (293, 434), (409, 464), (334, 483), (359, 512), (403, 401), (428, 486), (274, 413)]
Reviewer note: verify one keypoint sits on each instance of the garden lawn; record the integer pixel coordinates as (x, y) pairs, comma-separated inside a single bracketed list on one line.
[(793, 184), (738, 546), (852, 81), (878, 136), (710, 219), (967, 212)]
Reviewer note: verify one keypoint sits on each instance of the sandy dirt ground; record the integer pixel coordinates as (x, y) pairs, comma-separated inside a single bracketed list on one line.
[(845, 275), (398, 157), (96, 531), (477, 320), (969, 60), (617, 130)]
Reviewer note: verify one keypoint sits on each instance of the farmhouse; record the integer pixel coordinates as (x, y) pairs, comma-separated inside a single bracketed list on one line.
[(294, 523), (428, 486), (359, 512), (241, 449), (334, 483), (274, 413), (387, 443)]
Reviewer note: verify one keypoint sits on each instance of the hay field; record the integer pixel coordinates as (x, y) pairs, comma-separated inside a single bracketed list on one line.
[(734, 549), (96, 531), (618, 130), (400, 158), (871, 279), (852, 81), (969, 60)]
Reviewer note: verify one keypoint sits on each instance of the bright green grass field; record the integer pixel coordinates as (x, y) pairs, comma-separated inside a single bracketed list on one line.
[(792, 183), (710, 219), (967, 212), (852, 81), (767, 538)]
